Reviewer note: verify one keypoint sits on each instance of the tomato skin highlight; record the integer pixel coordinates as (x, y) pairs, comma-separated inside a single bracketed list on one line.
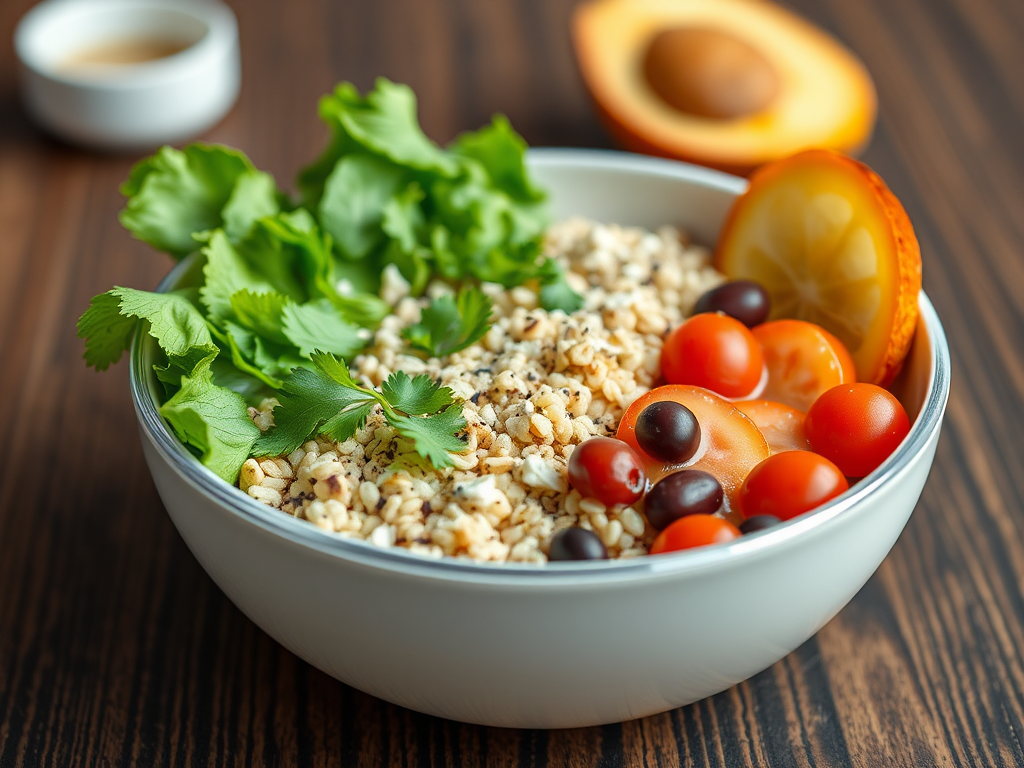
[(608, 470), (790, 483), (694, 531), (716, 352), (857, 427)]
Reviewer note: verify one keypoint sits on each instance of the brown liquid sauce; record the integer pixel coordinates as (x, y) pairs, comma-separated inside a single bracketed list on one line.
[(119, 53)]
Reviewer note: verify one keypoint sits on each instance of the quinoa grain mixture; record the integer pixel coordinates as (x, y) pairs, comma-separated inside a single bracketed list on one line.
[(535, 386)]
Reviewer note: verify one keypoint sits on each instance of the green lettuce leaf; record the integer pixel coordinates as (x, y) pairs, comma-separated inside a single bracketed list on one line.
[(212, 420), (176, 193), (502, 153), (352, 206), (261, 313), (384, 123), (319, 325), (254, 197), (227, 272)]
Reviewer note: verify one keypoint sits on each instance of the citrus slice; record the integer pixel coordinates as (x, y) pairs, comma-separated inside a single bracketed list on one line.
[(731, 445), (832, 245)]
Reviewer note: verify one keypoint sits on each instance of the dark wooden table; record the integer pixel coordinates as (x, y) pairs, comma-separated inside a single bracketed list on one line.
[(115, 647)]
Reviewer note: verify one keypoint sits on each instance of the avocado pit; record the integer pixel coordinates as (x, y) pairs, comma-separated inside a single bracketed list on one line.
[(709, 73)]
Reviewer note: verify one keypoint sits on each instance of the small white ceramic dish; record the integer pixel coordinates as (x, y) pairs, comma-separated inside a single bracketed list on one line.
[(567, 644), (136, 105)]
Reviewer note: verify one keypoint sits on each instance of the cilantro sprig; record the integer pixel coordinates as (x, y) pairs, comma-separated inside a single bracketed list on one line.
[(272, 280), (448, 325), (327, 400)]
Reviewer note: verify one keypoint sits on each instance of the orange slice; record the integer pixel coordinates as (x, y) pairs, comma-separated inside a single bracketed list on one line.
[(832, 245)]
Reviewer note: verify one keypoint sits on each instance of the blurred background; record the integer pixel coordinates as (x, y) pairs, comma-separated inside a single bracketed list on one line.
[(116, 649)]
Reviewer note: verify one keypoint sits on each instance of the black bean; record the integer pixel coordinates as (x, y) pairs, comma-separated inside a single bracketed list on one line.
[(758, 523), (576, 544), (744, 300), (686, 492), (668, 431)]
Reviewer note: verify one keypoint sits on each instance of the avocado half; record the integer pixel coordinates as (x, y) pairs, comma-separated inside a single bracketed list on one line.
[(821, 94)]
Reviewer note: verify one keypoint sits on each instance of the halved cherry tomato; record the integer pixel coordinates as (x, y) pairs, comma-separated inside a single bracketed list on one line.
[(716, 352), (789, 484), (782, 426), (731, 445), (694, 531), (857, 426), (608, 470), (804, 360)]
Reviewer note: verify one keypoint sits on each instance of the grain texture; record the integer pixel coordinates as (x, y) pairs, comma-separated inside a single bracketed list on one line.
[(115, 647)]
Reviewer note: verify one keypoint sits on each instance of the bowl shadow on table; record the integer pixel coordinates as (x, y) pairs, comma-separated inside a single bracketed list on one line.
[(17, 129)]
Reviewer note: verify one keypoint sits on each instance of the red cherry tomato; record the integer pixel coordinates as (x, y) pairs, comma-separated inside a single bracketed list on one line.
[(790, 483), (608, 470), (694, 531), (856, 426), (716, 352)]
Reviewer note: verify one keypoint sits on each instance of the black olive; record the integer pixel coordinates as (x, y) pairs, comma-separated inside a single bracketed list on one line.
[(758, 523), (744, 300), (576, 544), (686, 492), (667, 431)]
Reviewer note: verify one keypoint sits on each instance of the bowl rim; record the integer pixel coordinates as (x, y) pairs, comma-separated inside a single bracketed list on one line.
[(220, 34), (398, 559)]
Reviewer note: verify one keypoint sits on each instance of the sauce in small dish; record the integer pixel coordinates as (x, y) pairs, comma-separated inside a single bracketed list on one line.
[(121, 52)]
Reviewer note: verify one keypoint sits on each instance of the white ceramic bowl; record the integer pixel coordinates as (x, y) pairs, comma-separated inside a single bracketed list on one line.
[(129, 106), (567, 644)]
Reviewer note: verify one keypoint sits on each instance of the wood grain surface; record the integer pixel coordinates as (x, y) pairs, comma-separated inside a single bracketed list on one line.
[(116, 649)]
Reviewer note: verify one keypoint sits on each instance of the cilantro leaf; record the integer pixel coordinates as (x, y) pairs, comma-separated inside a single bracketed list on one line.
[(212, 420), (336, 369), (362, 309), (417, 396), (319, 325), (555, 292), (304, 250), (434, 437), (174, 321), (309, 398), (176, 193), (328, 400), (448, 325), (106, 331), (343, 425), (261, 313)]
